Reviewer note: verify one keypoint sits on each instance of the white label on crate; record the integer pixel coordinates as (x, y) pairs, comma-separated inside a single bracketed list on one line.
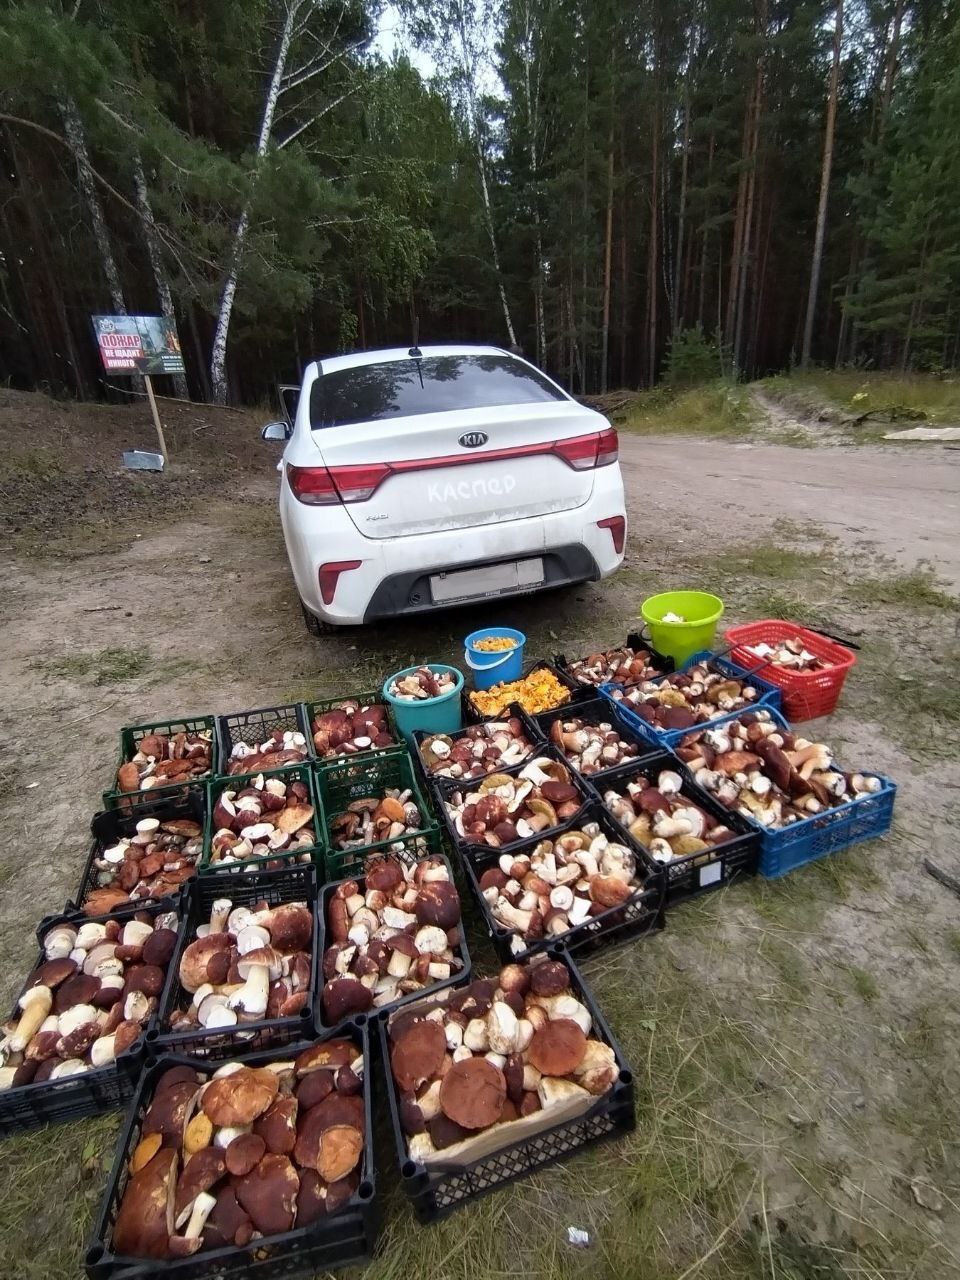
[(710, 874)]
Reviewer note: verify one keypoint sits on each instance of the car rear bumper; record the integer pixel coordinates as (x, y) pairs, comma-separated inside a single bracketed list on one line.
[(407, 593)]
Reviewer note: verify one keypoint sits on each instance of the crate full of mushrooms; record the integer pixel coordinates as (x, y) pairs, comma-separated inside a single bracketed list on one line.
[(479, 749), (351, 726), (700, 844), (582, 887), (163, 758), (629, 664), (244, 974), (373, 804), (262, 822), (493, 1079), (593, 736), (389, 936), (142, 854), (74, 1042), (789, 786), (267, 1158), (258, 741)]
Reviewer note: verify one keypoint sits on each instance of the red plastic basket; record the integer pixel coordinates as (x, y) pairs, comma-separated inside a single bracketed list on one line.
[(806, 694)]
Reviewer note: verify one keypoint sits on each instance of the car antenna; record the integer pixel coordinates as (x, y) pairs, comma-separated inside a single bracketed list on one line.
[(415, 353)]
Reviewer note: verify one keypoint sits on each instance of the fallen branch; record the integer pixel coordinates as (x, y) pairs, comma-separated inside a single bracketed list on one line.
[(942, 877)]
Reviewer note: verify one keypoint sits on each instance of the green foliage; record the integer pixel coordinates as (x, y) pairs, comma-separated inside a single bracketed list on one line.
[(692, 359)]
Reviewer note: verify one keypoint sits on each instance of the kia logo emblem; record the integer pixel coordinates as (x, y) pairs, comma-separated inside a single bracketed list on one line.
[(474, 439)]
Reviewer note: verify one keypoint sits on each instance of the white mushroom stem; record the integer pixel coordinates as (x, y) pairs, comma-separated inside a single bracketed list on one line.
[(6, 1077), (35, 1004), (202, 1207), (219, 914), (252, 996)]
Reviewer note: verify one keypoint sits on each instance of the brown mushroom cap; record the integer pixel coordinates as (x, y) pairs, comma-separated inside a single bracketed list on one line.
[(472, 1093), (278, 1125), (237, 1099), (311, 1198), (314, 1087), (52, 973), (438, 903), (550, 978), (145, 1221), (167, 1113), (344, 996), (418, 1054), (385, 875), (269, 1194), (334, 1111), (330, 1053), (557, 1048), (158, 948), (81, 988), (444, 1132), (290, 927), (176, 1075), (244, 1153), (227, 1220), (203, 1170), (341, 1147), (194, 961)]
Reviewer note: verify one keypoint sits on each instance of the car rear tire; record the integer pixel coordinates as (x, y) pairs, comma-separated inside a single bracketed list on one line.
[(316, 626)]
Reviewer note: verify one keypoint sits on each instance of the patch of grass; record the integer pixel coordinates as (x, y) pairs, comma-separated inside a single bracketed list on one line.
[(771, 561), (714, 409), (855, 391), (953, 941), (864, 983), (915, 590), (107, 666)]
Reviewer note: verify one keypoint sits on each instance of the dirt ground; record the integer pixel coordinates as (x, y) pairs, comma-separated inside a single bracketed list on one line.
[(794, 1042)]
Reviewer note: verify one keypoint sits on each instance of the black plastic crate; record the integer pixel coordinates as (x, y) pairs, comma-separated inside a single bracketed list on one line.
[(597, 711), (130, 738), (338, 783), (530, 727), (288, 773), (316, 708), (345, 1237), (436, 1193), (469, 848), (257, 726), (455, 979), (110, 825), (639, 917), (88, 1093), (635, 640), (294, 883), (577, 691), (709, 869)]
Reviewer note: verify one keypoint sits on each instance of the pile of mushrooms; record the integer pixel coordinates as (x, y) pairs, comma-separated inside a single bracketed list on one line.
[(390, 815), (666, 822), (249, 1153), (688, 697), (246, 964), (422, 683), (770, 774), (399, 934), (479, 749), (350, 727), (560, 885), (151, 863), (791, 654), (90, 998), (622, 666), (164, 759), (505, 808), (284, 746), (494, 1053), (267, 819), (590, 748)]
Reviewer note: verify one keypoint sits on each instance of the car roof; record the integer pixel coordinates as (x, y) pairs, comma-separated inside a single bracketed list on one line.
[(355, 358)]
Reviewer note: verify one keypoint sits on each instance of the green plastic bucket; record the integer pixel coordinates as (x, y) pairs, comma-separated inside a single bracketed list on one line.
[(681, 640), (432, 715)]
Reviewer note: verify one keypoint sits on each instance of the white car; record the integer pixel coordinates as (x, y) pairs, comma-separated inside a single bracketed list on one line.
[(415, 479)]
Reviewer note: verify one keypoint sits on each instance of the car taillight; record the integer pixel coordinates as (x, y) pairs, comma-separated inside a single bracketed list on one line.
[(618, 530), (329, 575), (608, 447), (323, 486), (313, 486)]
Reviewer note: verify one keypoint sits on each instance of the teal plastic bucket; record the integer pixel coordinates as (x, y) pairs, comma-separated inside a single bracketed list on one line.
[(432, 715), (490, 668)]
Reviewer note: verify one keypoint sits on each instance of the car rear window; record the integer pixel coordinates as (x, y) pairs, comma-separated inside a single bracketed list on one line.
[(434, 384)]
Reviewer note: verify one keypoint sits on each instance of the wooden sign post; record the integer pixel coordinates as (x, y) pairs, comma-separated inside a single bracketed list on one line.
[(156, 417), (140, 344)]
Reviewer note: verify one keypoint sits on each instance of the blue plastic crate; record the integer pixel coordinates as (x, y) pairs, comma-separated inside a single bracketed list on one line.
[(821, 834), (771, 697)]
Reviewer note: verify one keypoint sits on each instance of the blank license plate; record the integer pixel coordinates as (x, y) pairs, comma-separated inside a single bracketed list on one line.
[(494, 579)]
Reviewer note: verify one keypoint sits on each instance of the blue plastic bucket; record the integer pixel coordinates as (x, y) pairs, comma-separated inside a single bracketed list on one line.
[(432, 715), (490, 668)]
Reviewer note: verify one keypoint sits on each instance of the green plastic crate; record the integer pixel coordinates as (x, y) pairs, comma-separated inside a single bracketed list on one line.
[(289, 773), (340, 782), (365, 700), (130, 738)]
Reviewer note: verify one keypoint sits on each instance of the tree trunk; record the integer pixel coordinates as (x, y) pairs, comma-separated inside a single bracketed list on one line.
[(73, 127), (533, 134), (653, 248), (149, 227), (607, 266), (218, 354), (704, 243), (817, 260)]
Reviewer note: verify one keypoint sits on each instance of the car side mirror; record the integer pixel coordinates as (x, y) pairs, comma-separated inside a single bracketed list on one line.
[(275, 431)]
